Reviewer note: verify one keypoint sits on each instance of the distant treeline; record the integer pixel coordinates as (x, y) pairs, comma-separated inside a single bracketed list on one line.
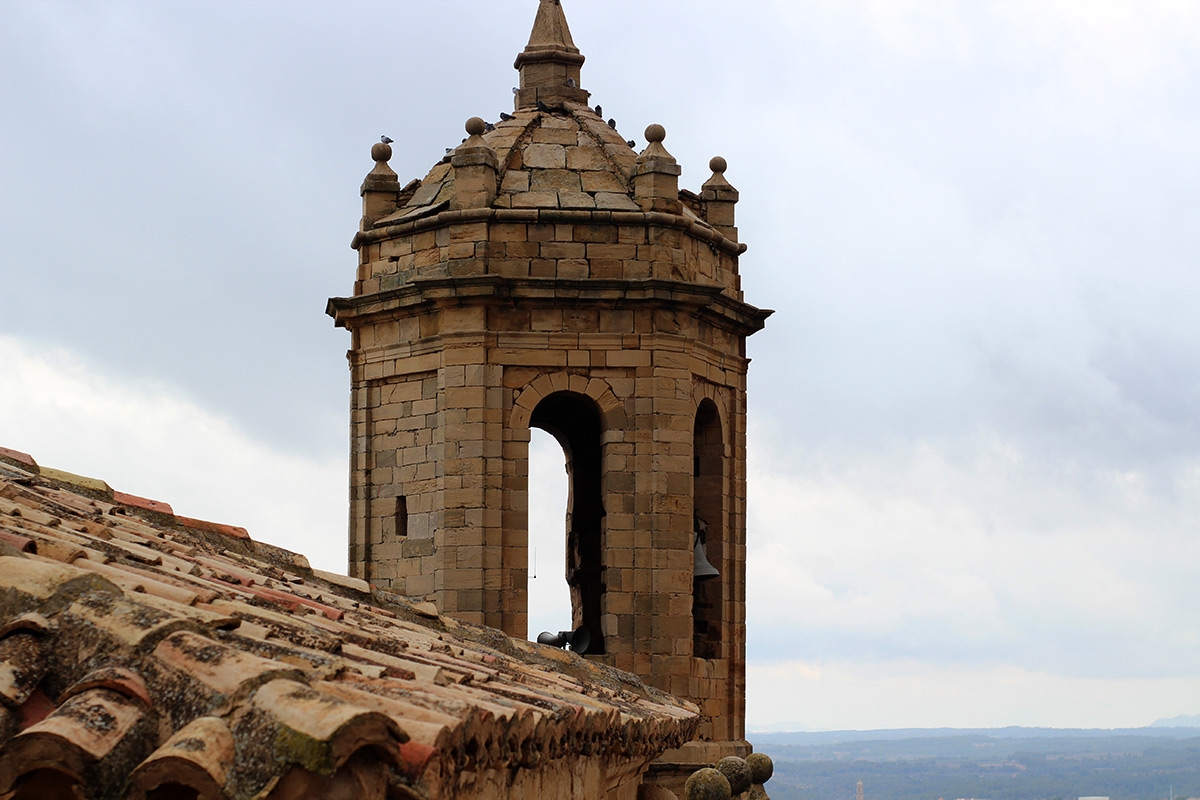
[(1140, 764)]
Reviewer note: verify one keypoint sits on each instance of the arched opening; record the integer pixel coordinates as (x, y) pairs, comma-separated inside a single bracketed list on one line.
[(574, 421), (549, 595), (708, 506)]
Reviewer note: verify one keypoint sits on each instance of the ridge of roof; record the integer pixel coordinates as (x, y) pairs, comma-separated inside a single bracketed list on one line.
[(229, 666)]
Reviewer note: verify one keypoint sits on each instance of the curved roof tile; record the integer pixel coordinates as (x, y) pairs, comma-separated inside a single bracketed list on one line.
[(142, 652)]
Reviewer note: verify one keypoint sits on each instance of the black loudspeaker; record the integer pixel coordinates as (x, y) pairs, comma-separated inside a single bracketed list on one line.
[(579, 640)]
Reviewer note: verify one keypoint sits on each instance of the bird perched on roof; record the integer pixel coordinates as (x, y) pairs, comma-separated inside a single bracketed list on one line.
[(386, 139), (612, 123), (506, 117), (571, 82), (515, 90), (631, 143), (599, 112)]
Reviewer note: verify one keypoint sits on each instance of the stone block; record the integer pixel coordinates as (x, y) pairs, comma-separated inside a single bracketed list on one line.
[(564, 136), (615, 201), (545, 156), (577, 200), (558, 180), (535, 199), (584, 157)]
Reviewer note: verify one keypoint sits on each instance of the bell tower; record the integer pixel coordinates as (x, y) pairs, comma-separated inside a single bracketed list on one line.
[(545, 274)]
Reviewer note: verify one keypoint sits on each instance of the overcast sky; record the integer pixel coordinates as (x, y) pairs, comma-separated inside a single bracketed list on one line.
[(975, 459)]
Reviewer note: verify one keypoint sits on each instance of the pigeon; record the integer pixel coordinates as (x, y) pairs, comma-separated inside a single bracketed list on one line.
[(631, 143), (386, 139), (612, 123), (515, 90), (571, 82), (506, 117), (488, 128), (449, 150), (599, 112)]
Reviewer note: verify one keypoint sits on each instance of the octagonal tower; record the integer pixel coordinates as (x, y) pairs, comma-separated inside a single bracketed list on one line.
[(544, 274)]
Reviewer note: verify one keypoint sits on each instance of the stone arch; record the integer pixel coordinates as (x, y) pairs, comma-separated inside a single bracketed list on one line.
[(612, 410), (710, 476), (584, 415)]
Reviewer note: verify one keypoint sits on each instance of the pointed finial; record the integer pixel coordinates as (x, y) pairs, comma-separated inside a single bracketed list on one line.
[(475, 169), (476, 126), (720, 198), (550, 29), (656, 176), (381, 153), (380, 187), (550, 63)]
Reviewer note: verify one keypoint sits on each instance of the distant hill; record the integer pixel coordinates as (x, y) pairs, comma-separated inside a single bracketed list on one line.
[(816, 738), (998, 763), (1182, 721)]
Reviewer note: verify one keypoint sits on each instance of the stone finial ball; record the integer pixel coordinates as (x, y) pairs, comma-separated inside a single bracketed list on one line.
[(718, 165), (476, 126), (737, 772), (707, 784), (761, 767), (381, 151), (656, 133)]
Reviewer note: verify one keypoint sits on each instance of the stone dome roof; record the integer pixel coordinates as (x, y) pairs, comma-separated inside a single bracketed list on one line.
[(566, 157), (555, 152)]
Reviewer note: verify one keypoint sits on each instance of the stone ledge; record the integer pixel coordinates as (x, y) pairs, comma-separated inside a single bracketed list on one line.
[(694, 228)]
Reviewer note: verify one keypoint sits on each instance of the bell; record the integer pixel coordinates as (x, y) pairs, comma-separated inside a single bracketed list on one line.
[(701, 569)]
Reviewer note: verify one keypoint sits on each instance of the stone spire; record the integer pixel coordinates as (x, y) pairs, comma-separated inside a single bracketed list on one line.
[(550, 63)]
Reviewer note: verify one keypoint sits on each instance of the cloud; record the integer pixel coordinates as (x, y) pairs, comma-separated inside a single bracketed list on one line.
[(850, 695), (151, 440), (976, 553), (973, 432)]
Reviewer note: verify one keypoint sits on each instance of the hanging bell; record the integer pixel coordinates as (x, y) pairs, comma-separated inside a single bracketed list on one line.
[(701, 568)]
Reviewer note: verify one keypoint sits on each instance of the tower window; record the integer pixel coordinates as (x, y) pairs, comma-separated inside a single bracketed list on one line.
[(401, 516)]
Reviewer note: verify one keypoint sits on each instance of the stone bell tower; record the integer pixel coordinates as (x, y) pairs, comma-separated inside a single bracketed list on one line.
[(544, 274)]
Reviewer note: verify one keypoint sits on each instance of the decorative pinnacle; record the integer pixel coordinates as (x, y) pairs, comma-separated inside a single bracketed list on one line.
[(656, 133), (476, 126), (381, 152), (718, 165), (550, 63), (550, 29)]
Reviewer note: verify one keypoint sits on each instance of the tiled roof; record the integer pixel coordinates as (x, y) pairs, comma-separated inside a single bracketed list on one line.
[(142, 652)]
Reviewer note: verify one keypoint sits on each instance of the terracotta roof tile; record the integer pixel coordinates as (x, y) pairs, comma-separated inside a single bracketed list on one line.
[(142, 503), (79, 481), (22, 667), (18, 458), (227, 666), (198, 756), (213, 527)]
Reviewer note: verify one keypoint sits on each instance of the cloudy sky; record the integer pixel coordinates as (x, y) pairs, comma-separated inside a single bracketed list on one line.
[(975, 459)]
